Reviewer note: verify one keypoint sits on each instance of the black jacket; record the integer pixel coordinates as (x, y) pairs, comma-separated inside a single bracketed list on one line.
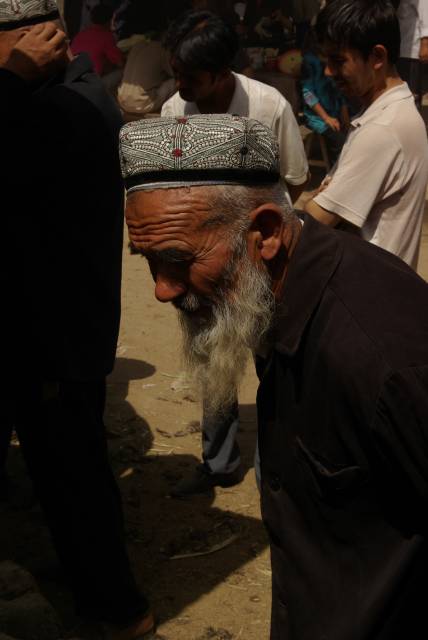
[(63, 223), (343, 419)]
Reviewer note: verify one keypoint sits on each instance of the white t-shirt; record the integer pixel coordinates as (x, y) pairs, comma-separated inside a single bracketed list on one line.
[(379, 181), (413, 18), (253, 99)]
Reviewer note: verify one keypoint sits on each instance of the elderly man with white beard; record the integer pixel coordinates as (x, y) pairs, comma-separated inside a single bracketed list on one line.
[(343, 397)]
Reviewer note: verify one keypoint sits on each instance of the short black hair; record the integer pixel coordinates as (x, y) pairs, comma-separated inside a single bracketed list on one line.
[(101, 13), (200, 40), (360, 25)]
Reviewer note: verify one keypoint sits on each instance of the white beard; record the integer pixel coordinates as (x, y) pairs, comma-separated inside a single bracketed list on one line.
[(216, 349)]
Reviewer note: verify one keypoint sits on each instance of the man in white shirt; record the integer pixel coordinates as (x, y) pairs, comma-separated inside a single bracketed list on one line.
[(202, 48), (413, 19), (377, 187)]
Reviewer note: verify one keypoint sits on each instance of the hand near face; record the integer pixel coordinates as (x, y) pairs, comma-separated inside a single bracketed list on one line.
[(38, 53), (423, 50)]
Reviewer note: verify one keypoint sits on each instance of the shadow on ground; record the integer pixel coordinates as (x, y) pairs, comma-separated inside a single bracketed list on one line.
[(158, 528)]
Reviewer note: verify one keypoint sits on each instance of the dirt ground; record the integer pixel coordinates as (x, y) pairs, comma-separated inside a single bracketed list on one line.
[(197, 592)]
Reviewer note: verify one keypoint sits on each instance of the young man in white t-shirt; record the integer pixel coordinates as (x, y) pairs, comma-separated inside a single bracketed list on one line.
[(377, 187), (202, 49)]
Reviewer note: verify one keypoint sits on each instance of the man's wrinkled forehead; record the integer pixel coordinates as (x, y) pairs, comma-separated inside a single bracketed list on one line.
[(157, 203), (166, 214)]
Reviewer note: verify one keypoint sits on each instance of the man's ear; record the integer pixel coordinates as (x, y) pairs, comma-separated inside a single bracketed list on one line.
[(266, 230), (379, 56)]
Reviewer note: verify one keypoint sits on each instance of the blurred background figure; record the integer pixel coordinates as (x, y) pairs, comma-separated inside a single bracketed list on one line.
[(85, 16), (274, 27), (97, 40), (119, 18), (147, 78), (413, 18), (324, 106), (303, 13)]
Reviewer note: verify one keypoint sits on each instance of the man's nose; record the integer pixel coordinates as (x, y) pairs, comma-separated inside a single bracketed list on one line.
[(168, 289)]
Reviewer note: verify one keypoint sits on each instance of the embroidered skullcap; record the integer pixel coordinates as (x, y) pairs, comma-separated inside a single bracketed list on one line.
[(196, 150), (23, 13)]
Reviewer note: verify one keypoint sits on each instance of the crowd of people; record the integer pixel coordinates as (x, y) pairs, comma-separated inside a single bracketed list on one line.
[(326, 300)]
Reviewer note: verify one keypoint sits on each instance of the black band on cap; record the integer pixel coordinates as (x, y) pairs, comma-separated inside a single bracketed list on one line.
[(28, 22), (238, 176)]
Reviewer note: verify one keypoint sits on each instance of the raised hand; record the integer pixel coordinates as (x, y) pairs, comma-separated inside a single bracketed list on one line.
[(39, 53)]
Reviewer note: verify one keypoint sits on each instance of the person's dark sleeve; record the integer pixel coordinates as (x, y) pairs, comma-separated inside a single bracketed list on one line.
[(400, 436)]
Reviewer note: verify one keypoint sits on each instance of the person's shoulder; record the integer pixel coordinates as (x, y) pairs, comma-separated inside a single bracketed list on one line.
[(150, 46), (81, 94), (397, 129), (257, 87), (263, 98), (394, 109), (372, 134), (387, 281)]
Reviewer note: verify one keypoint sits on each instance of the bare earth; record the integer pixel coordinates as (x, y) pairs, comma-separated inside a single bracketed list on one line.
[(219, 589)]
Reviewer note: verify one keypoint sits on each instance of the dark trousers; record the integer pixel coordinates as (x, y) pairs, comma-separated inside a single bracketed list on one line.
[(62, 435)]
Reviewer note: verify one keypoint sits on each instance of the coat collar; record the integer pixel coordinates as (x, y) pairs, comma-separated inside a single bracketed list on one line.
[(312, 265)]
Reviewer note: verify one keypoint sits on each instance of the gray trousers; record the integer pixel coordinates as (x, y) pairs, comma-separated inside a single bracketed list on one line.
[(220, 450)]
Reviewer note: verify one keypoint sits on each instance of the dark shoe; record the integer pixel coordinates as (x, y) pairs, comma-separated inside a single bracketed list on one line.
[(201, 482)]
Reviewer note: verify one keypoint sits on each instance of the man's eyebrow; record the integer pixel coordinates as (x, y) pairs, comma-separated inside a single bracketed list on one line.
[(169, 255)]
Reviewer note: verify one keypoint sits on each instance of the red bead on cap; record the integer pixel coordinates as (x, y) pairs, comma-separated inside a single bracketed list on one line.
[(181, 120), (177, 153)]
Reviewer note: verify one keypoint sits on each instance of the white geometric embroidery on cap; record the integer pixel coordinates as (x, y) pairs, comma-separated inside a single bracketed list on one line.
[(198, 142)]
